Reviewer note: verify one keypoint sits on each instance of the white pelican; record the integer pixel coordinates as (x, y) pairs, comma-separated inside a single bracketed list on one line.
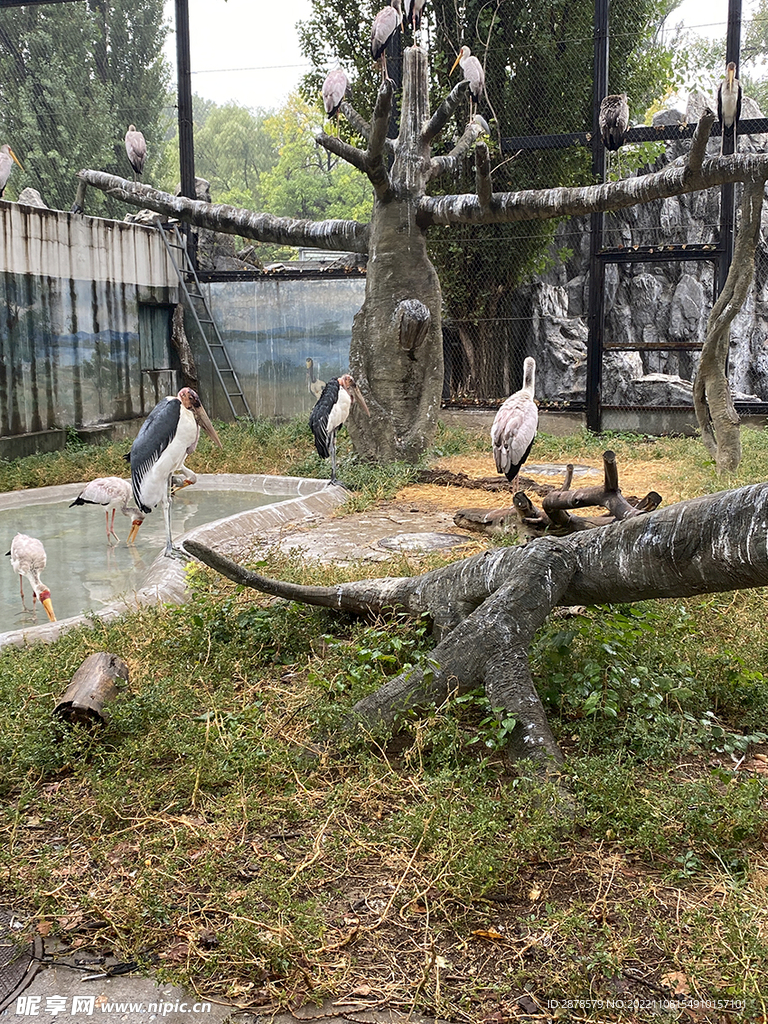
[(28, 559), (112, 492), (334, 91), (473, 73), (314, 386), (729, 105), (514, 427), (136, 148), (167, 436), (384, 26), (7, 159), (330, 411)]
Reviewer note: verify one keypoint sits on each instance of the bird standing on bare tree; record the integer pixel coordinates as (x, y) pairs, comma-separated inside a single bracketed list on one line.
[(514, 427), (729, 106), (473, 73), (136, 148), (334, 90), (385, 24)]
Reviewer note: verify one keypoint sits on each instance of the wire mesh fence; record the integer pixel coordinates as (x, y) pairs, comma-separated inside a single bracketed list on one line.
[(74, 75)]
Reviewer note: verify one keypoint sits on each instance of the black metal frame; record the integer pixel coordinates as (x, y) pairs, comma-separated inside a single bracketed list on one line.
[(720, 254)]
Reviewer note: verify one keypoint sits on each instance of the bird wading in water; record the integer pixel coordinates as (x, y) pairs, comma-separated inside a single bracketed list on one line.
[(514, 427), (330, 412), (729, 108), (112, 492), (136, 148), (167, 436), (28, 559), (7, 159)]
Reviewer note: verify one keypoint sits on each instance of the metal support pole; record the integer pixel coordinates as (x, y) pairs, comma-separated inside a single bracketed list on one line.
[(184, 88), (595, 308), (727, 204)]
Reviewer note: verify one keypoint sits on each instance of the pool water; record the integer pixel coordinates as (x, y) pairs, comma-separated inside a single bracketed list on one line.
[(85, 573)]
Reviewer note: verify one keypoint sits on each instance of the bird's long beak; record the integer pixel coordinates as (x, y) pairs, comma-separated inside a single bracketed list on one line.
[(455, 64), (45, 601), (15, 157), (357, 397), (730, 75), (134, 530), (202, 418)]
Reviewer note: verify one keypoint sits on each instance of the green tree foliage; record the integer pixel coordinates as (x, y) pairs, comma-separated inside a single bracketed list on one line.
[(306, 181), (232, 149), (538, 65), (72, 78)]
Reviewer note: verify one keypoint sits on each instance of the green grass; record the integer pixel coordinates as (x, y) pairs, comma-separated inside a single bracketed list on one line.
[(221, 824)]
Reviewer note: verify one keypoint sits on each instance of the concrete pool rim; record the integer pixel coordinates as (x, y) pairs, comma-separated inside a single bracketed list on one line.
[(165, 581)]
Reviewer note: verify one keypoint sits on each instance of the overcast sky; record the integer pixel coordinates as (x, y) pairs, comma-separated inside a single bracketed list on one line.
[(247, 50)]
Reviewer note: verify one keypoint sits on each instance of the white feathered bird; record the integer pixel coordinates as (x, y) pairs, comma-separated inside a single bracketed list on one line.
[(112, 492), (729, 104), (473, 73), (384, 26), (514, 427), (7, 159), (136, 149), (28, 559)]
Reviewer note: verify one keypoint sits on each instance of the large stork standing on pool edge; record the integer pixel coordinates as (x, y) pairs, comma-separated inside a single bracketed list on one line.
[(28, 559), (330, 411), (167, 436), (514, 427)]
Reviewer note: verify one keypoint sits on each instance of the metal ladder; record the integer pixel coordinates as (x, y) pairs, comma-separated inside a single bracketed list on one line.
[(190, 286)]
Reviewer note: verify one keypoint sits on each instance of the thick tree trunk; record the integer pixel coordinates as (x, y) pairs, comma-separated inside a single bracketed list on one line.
[(486, 609)]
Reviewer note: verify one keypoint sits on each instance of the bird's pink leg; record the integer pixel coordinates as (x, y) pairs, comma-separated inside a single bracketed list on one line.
[(112, 527)]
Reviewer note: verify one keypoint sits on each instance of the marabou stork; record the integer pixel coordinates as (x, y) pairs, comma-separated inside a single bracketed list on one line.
[(167, 436), (514, 427), (613, 120), (330, 411), (136, 148), (473, 73), (385, 24), (334, 91), (112, 492), (7, 160), (28, 559), (729, 105), (314, 386), (413, 11)]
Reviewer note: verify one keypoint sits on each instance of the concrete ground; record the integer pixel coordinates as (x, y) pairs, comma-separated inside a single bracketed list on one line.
[(64, 994)]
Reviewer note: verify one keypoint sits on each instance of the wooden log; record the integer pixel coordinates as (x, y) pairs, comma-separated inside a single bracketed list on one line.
[(91, 688)]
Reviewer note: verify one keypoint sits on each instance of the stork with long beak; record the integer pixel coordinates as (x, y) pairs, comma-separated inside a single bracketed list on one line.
[(167, 436), (729, 106), (7, 159), (332, 410), (28, 559)]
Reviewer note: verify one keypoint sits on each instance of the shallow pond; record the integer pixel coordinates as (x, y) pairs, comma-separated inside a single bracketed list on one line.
[(84, 572)]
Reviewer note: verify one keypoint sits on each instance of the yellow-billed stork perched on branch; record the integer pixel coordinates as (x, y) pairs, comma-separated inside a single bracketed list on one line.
[(167, 436), (473, 73), (28, 559), (330, 412), (112, 492), (514, 427), (384, 26), (729, 105)]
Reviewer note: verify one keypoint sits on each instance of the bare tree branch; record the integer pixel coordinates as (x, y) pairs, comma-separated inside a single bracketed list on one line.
[(483, 174), (543, 204), (698, 149), (377, 143), (440, 117), (451, 161), (349, 235), (358, 122), (715, 411), (338, 147)]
